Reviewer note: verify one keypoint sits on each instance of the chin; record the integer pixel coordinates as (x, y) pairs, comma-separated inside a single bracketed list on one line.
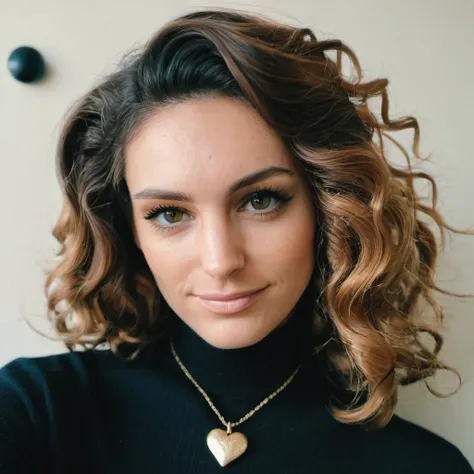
[(232, 335)]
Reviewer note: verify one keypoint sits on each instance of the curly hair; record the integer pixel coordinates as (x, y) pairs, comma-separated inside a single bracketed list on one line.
[(376, 257)]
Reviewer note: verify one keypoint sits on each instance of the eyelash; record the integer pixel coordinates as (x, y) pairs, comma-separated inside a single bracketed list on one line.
[(278, 194)]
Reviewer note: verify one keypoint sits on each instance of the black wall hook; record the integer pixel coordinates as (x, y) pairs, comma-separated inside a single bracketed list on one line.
[(26, 64)]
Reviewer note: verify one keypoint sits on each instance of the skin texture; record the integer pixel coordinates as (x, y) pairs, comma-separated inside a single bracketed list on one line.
[(220, 243)]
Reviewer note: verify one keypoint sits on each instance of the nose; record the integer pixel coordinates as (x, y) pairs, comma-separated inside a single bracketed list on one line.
[(220, 248)]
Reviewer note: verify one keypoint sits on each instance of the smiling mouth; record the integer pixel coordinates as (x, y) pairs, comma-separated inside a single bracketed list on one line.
[(231, 305)]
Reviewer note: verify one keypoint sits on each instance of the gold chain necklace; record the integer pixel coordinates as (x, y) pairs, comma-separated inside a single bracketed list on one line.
[(225, 445)]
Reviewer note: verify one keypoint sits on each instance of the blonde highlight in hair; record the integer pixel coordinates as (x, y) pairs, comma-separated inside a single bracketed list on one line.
[(376, 257)]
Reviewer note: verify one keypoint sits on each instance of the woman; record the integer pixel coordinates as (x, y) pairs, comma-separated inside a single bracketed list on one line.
[(234, 235)]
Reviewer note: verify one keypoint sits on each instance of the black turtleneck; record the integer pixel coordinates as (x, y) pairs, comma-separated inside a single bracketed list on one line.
[(92, 412), (246, 375)]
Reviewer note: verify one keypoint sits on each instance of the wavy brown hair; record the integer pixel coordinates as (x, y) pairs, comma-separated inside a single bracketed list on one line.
[(376, 257)]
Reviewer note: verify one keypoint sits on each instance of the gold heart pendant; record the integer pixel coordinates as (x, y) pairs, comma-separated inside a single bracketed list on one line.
[(226, 447)]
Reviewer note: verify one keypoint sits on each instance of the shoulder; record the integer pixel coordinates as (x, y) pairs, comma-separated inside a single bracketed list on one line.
[(27, 388), (35, 371), (412, 448), (34, 391), (72, 373), (30, 386), (35, 374), (50, 402)]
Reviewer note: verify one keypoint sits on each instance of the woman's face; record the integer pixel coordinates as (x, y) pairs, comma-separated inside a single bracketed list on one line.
[(219, 209)]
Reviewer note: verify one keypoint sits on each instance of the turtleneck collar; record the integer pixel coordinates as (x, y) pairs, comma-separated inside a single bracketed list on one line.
[(249, 372)]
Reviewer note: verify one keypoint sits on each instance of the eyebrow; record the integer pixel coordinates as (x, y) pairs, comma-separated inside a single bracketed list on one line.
[(153, 193)]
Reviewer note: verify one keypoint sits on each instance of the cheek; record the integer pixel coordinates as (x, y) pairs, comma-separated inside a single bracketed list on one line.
[(286, 245), (163, 260), (295, 254)]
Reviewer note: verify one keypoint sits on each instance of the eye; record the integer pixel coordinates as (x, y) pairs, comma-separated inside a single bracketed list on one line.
[(264, 202), (166, 216), (261, 200), (267, 200), (171, 216)]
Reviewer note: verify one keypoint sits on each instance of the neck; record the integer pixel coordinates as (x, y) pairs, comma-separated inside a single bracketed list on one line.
[(250, 372)]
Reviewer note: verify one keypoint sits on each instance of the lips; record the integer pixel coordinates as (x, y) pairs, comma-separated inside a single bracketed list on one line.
[(231, 303), (228, 297)]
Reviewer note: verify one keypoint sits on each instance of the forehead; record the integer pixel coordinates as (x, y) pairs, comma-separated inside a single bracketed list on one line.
[(208, 140)]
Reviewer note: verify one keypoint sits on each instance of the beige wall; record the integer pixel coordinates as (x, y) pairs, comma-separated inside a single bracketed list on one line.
[(423, 46)]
